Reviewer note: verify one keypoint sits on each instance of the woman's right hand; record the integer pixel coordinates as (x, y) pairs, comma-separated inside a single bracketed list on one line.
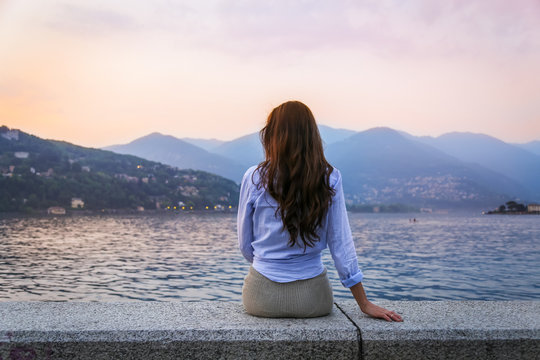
[(375, 311), (371, 309)]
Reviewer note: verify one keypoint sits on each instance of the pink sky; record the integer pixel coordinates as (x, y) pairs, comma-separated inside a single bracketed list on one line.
[(102, 72)]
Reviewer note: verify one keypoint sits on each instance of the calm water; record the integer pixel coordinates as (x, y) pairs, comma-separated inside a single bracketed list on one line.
[(191, 257)]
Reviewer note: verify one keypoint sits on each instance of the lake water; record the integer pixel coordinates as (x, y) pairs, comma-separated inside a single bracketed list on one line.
[(192, 257)]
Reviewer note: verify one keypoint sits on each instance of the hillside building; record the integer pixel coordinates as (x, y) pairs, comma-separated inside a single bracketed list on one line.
[(131, 179), (77, 203), (533, 208), (21, 155), (11, 135), (56, 210)]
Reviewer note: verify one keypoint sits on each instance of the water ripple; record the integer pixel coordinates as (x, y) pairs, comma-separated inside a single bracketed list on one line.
[(193, 257)]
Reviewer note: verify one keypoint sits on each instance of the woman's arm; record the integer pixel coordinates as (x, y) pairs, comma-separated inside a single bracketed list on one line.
[(340, 242), (371, 309), (244, 218)]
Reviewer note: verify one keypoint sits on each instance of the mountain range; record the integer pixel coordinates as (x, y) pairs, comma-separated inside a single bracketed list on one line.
[(229, 159), (380, 165), (180, 153), (481, 150)]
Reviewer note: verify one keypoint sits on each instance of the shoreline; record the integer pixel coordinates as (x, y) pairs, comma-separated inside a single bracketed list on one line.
[(511, 214), (89, 213)]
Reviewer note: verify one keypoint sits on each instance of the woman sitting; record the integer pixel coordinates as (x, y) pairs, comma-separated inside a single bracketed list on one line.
[(291, 208)]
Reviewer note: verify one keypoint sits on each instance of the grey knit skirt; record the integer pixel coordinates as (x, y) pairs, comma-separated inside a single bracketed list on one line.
[(298, 299)]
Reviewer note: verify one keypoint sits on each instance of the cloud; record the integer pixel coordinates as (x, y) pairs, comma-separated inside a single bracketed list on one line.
[(259, 28), (385, 27), (90, 21)]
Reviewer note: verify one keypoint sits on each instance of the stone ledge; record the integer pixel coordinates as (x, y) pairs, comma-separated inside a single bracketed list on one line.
[(221, 330), (451, 330), (162, 330)]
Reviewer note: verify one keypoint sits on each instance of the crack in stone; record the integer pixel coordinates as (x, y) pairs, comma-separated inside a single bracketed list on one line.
[(358, 332)]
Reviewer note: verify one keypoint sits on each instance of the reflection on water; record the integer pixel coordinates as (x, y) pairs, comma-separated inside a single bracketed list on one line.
[(192, 257)]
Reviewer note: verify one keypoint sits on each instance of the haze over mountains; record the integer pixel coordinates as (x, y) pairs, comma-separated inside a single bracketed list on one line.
[(533, 146), (380, 165)]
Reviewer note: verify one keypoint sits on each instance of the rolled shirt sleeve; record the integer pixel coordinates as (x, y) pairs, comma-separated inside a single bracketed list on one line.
[(245, 217), (339, 239)]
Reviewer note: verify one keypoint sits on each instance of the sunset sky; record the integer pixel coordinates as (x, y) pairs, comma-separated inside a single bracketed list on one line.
[(103, 72)]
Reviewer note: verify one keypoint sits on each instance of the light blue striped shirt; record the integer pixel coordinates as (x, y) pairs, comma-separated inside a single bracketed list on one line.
[(265, 243)]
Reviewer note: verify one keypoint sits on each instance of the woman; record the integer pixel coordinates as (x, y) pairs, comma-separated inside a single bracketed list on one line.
[(291, 207)]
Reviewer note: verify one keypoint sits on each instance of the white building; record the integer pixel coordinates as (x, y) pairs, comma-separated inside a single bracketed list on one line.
[(77, 203), (56, 210), (533, 208), (11, 135), (131, 179), (21, 155)]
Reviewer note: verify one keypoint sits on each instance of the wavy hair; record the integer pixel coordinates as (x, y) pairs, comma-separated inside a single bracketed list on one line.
[(295, 171)]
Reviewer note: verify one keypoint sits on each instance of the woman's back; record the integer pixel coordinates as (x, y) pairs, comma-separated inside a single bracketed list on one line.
[(270, 240), (264, 241)]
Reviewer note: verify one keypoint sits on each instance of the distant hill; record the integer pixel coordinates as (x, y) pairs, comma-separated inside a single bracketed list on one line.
[(382, 166), (533, 146), (37, 173), (491, 153), (175, 152), (332, 135), (206, 144), (248, 151)]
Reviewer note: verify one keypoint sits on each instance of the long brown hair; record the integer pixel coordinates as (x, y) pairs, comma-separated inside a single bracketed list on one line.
[(295, 171)]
